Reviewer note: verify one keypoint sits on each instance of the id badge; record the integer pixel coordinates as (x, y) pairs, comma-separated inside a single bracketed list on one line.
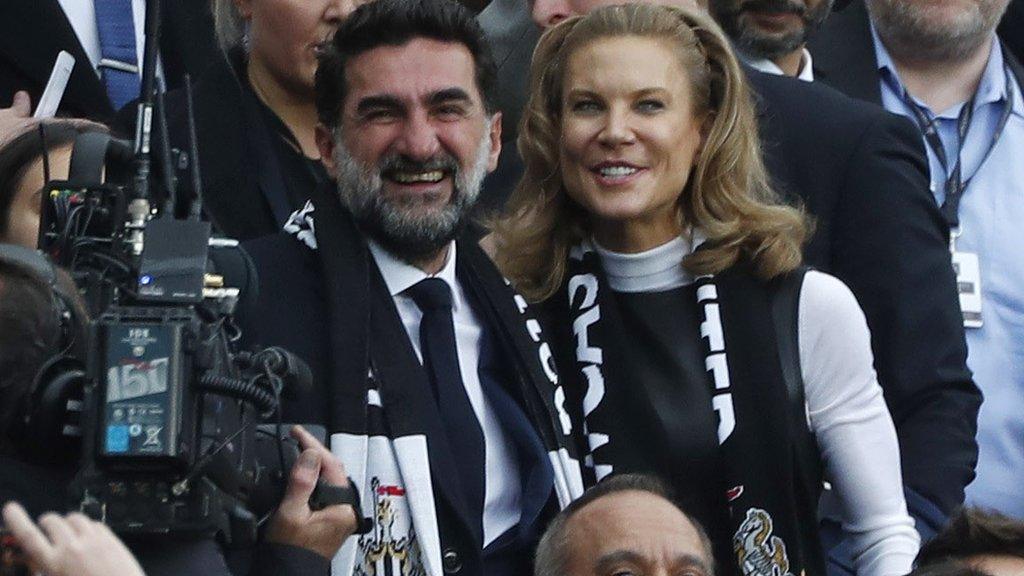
[(968, 284)]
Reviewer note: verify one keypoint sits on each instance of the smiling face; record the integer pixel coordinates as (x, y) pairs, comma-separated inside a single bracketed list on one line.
[(629, 136), (285, 36), (634, 532), (415, 143), (770, 28)]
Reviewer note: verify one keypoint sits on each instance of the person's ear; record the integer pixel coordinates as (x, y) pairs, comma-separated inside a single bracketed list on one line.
[(494, 129), (325, 144)]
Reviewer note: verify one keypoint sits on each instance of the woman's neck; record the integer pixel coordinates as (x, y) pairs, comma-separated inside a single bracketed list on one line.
[(634, 236), (298, 112), (654, 270)]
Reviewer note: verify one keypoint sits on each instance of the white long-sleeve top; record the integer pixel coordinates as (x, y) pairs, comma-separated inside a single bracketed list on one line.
[(845, 407)]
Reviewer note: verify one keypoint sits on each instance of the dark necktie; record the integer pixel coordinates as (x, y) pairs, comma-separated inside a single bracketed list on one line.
[(118, 61), (441, 361)]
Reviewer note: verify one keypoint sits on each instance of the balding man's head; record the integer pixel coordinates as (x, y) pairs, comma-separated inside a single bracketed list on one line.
[(625, 523)]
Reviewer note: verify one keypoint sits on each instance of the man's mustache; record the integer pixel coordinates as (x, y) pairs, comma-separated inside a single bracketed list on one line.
[(399, 163), (774, 6)]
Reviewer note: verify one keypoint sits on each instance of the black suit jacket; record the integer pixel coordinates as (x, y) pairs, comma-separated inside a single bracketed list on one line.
[(33, 32), (1011, 29)]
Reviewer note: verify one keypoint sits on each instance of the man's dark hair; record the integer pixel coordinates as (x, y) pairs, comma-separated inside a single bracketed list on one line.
[(552, 550), (395, 23), (974, 532)]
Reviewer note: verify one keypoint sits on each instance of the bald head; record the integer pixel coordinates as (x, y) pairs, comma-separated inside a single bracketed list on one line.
[(624, 526)]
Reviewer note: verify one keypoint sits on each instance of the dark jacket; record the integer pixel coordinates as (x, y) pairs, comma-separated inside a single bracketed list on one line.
[(33, 32), (1011, 29), (252, 175)]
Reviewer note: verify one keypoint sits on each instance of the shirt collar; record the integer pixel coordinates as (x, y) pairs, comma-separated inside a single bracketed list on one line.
[(991, 89), (400, 275), (768, 67)]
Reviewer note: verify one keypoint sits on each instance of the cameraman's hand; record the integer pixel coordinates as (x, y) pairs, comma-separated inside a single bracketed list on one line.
[(73, 545), (294, 523)]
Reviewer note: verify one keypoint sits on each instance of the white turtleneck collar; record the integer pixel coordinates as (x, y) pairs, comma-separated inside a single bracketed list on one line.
[(654, 270)]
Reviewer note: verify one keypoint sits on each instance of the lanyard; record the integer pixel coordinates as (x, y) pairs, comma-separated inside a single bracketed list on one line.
[(956, 184)]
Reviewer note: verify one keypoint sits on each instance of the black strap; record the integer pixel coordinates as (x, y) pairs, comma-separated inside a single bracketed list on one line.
[(326, 494), (785, 305), (956, 184)]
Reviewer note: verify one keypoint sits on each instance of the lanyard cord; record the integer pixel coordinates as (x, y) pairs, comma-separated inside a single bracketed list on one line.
[(955, 182)]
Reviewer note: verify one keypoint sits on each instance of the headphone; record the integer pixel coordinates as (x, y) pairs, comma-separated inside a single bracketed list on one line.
[(45, 423)]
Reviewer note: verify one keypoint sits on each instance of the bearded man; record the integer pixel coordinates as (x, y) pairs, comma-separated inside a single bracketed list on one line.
[(940, 63), (434, 382), (771, 35)]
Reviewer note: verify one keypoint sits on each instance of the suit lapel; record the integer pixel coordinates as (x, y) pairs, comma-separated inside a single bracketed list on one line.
[(32, 32), (844, 54), (1015, 68)]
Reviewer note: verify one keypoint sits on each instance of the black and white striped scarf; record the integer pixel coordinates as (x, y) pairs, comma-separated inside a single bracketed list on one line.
[(772, 494)]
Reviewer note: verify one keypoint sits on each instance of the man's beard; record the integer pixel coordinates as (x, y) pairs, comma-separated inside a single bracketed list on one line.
[(913, 29), (402, 227), (755, 42)]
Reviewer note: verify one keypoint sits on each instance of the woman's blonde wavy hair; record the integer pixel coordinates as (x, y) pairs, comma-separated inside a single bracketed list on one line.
[(727, 196)]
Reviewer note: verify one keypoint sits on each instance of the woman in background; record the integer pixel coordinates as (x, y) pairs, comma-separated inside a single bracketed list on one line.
[(255, 112), (691, 342)]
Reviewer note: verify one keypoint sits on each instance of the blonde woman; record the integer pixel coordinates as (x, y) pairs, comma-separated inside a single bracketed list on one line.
[(692, 343), (255, 112)]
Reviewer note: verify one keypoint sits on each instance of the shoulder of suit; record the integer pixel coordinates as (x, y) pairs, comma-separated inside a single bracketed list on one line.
[(811, 101)]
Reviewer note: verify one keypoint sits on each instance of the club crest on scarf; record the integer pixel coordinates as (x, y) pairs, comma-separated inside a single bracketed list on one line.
[(759, 552), (386, 550)]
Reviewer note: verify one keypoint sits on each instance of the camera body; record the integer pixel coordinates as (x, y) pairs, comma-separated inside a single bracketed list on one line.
[(169, 406)]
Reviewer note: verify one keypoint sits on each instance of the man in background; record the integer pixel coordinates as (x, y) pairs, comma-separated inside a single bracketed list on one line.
[(106, 39), (771, 35), (941, 65), (626, 524)]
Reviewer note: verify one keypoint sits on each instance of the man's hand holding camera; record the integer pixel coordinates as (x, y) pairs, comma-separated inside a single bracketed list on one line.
[(295, 523)]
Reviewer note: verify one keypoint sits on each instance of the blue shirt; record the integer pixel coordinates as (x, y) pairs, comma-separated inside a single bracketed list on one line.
[(991, 226)]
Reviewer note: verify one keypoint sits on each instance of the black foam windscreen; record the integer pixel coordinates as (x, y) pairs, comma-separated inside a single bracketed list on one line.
[(238, 270)]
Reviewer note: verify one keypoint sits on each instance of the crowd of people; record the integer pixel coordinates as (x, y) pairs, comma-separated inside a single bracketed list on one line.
[(585, 287)]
